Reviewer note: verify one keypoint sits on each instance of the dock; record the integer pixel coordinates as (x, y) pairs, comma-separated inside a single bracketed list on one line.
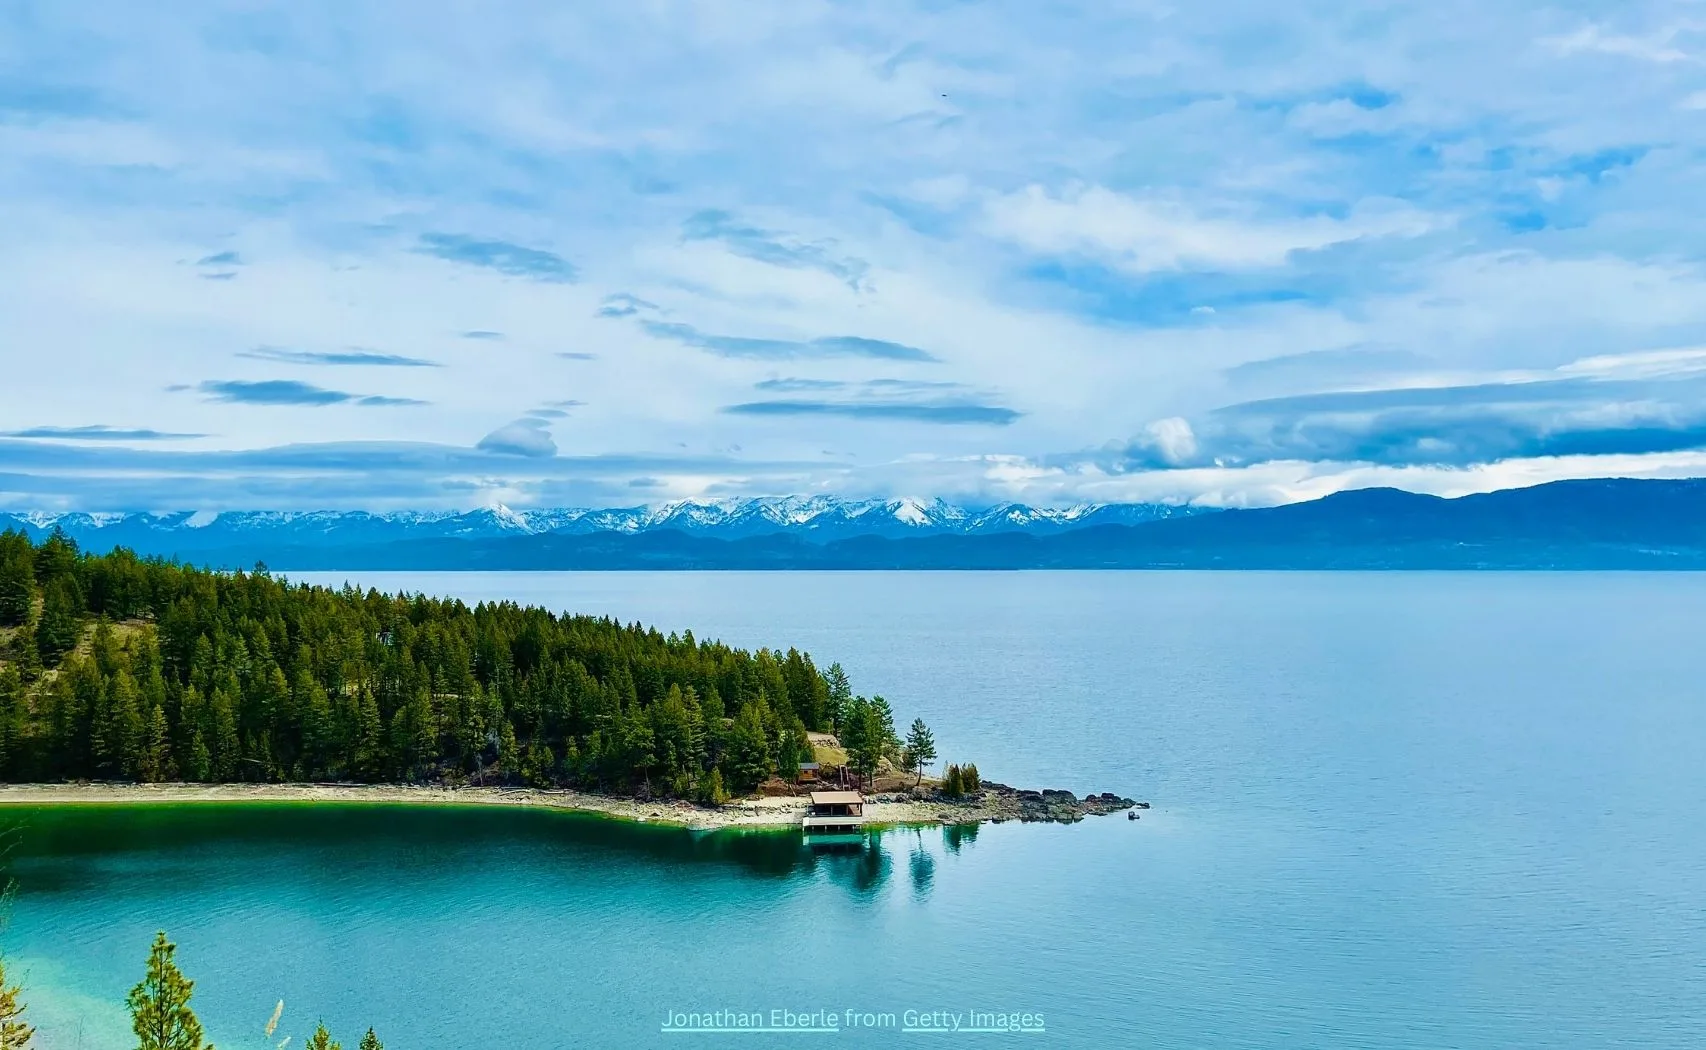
[(834, 813)]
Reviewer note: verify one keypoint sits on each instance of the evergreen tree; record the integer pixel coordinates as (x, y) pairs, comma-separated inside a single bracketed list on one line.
[(56, 631), (17, 588), (840, 692), (13, 721), (888, 739), (322, 1040), (747, 758), (864, 738), (414, 736), (198, 760), (368, 758), (160, 1005), (56, 558), (224, 748), (507, 749), (711, 791), (154, 762), (792, 748), (920, 748), (117, 732), (25, 653), (371, 1042), (14, 1033), (319, 735)]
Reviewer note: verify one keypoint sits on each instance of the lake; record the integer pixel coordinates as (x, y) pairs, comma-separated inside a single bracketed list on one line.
[(1404, 810)]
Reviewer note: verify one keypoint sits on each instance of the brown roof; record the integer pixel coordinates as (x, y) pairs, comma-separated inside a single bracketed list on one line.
[(837, 798)]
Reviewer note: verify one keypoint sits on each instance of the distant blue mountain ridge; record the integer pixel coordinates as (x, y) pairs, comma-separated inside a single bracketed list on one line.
[(816, 518), (1593, 524)]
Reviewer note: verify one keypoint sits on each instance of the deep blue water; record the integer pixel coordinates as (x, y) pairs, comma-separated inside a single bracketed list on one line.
[(1391, 810)]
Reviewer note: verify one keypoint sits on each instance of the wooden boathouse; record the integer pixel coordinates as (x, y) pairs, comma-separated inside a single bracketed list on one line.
[(834, 813)]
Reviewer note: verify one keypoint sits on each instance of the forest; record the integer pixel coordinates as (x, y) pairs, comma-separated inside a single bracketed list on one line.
[(115, 667)]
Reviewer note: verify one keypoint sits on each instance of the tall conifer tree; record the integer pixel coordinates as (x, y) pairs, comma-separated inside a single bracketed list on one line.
[(160, 1005)]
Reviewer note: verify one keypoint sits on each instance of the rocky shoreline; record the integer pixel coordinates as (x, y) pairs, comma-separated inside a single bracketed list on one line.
[(995, 803)]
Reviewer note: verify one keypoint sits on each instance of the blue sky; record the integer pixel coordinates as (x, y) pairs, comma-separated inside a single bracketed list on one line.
[(411, 255)]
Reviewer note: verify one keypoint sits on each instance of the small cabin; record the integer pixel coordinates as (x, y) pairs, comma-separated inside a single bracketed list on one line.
[(834, 813), (810, 772)]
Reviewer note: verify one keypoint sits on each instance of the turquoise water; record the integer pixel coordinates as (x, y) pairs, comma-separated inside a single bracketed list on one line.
[(1391, 810)]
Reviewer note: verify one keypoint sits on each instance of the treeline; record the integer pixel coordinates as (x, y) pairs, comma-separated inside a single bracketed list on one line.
[(117, 667), (160, 1012)]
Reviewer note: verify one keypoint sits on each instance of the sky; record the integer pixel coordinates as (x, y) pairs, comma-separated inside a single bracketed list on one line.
[(387, 256)]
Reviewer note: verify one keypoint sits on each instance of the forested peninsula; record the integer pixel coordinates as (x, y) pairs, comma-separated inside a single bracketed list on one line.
[(121, 668), (117, 669)]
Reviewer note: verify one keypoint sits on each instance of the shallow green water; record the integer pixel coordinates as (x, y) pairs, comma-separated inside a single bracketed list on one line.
[(544, 929), (1392, 811)]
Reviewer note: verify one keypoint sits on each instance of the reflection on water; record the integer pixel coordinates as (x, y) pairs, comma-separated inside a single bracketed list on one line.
[(923, 869), (92, 849), (954, 835)]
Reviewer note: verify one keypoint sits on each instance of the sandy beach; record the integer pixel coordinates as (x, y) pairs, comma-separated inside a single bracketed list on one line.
[(754, 813)]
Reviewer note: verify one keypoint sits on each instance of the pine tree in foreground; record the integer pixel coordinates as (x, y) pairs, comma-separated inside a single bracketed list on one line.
[(160, 1005), (322, 1040), (371, 1041), (14, 1033)]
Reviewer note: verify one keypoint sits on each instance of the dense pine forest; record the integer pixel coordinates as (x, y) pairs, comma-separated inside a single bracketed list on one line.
[(114, 667)]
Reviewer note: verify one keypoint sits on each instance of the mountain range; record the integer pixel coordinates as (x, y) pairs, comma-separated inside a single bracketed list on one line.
[(1593, 524), (818, 519)]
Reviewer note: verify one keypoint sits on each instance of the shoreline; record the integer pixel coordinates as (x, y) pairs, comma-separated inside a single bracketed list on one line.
[(996, 804)]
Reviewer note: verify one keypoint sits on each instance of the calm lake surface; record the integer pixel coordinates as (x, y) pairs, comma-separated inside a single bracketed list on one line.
[(1412, 810)]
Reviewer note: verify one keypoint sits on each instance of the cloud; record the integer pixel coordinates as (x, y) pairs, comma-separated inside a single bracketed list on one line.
[(766, 246), (783, 349), (947, 412), (98, 433), (482, 334), (352, 475), (221, 263), (1124, 219), (291, 392), (1145, 235), (905, 400), (1342, 365), (352, 356), (1610, 405), (555, 409), (513, 260), (576, 355), (794, 386), (525, 437), (1658, 47), (623, 305)]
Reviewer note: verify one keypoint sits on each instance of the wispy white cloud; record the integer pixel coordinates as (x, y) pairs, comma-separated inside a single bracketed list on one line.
[(1660, 46), (1147, 235)]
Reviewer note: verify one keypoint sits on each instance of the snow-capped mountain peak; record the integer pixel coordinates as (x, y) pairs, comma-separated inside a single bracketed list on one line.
[(817, 518)]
